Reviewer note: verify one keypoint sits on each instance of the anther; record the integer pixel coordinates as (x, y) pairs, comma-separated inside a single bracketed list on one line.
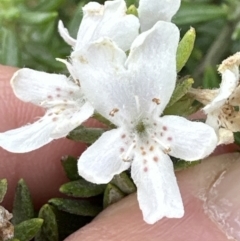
[(113, 111), (156, 100)]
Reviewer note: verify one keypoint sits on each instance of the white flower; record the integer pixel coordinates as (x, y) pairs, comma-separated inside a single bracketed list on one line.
[(65, 104), (158, 10), (220, 104), (132, 93), (98, 21)]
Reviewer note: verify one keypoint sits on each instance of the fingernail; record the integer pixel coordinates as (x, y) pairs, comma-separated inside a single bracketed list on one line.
[(222, 200)]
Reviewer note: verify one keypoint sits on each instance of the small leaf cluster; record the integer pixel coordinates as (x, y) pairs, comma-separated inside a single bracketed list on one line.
[(60, 217)]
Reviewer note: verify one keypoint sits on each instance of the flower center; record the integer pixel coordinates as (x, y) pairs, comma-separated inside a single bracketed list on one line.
[(140, 127)]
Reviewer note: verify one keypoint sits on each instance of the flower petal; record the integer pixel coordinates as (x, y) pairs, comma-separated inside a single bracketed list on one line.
[(103, 63), (189, 140), (71, 118), (130, 92), (65, 34), (152, 66), (229, 82), (157, 190), (41, 88), (212, 120), (102, 160), (158, 10), (231, 121), (225, 136), (99, 21), (29, 137)]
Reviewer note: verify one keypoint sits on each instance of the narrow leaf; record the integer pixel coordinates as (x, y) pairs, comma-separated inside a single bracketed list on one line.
[(191, 13), (210, 78), (185, 48), (22, 206), (3, 189), (47, 5), (132, 10), (69, 223), (76, 19), (86, 135), (181, 164), (70, 167), (49, 229), (181, 89), (124, 183), (77, 207), (237, 137), (37, 18), (10, 54), (112, 195), (184, 107), (26, 230), (82, 188)]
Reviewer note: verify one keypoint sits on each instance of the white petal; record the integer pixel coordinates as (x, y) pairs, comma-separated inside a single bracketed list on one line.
[(65, 34), (70, 68), (151, 11), (157, 190), (71, 118), (151, 73), (41, 88), (229, 83), (103, 64), (225, 136), (189, 140), (212, 120), (92, 15), (152, 65), (29, 137), (108, 21), (102, 160)]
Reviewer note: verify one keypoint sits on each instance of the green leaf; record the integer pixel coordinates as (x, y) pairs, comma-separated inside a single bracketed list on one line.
[(130, 2), (185, 48), (3, 188), (49, 229), (181, 164), (85, 134), (22, 206), (26, 230), (124, 183), (10, 54), (184, 107), (82, 188), (112, 195), (37, 18), (192, 13), (102, 119), (46, 5), (76, 19), (237, 137), (77, 207), (69, 164), (132, 10), (69, 223), (181, 89), (210, 78)]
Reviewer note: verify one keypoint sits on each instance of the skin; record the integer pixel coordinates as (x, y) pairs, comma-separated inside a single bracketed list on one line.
[(43, 173)]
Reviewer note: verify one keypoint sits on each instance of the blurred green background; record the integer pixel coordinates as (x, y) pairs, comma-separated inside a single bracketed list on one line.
[(29, 35)]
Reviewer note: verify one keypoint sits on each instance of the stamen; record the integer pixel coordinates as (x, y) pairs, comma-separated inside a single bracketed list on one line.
[(137, 103), (166, 149), (113, 111), (125, 156), (156, 100)]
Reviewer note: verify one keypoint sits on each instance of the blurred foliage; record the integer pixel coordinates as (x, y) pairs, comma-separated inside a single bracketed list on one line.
[(29, 35)]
